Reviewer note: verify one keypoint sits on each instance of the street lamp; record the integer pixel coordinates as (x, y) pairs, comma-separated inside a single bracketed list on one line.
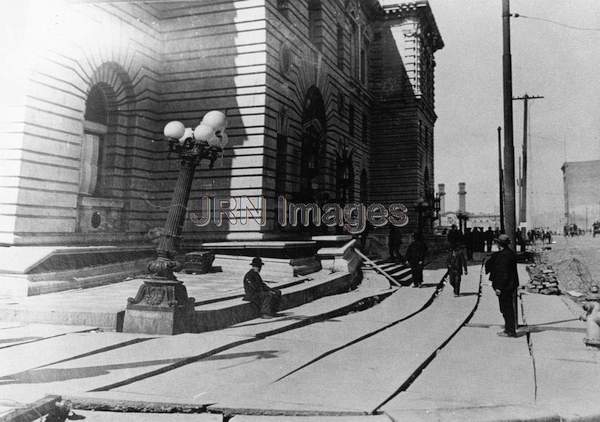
[(161, 305), (437, 207)]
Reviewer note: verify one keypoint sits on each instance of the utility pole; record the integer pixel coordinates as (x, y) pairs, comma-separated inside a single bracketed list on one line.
[(586, 220), (519, 193), (523, 181), (509, 150), (500, 180)]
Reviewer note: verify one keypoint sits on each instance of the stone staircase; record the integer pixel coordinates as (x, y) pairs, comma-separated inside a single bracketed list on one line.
[(397, 270)]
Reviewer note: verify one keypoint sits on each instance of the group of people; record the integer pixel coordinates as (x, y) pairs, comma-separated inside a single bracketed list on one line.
[(538, 234), (474, 239), (501, 266)]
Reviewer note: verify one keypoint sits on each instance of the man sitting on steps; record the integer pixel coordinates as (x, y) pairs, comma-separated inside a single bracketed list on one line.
[(256, 291)]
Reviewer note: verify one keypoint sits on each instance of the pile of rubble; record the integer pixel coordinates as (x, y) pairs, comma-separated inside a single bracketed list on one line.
[(543, 280)]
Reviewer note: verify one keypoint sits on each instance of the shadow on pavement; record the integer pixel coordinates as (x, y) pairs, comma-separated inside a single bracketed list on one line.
[(19, 339), (47, 375)]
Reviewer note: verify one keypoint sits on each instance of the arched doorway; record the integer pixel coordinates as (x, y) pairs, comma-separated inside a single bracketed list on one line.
[(314, 135)]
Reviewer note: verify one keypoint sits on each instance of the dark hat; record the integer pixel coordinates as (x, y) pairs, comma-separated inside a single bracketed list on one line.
[(257, 262), (503, 239)]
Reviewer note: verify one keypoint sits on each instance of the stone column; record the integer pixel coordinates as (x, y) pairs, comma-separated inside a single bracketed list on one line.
[(462, 198), (442, 194)]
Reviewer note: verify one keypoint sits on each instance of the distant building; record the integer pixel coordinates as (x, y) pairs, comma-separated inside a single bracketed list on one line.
[(484, 220), (581, 182)]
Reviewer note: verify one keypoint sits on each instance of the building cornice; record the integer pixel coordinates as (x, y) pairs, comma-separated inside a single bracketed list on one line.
[(394, 9)]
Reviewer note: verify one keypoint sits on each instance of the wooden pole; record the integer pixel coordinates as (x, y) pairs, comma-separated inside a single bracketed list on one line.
[(500, 180), (509, 151)]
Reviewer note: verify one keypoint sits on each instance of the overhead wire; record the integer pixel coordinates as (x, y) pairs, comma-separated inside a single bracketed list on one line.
[(578, 28)]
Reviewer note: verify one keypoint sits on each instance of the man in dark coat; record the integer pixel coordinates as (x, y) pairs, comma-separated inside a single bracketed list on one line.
[(415, 256), (456, 264), (256, 291), (468, 242), (455, 237), (489, 238), (502, 267)]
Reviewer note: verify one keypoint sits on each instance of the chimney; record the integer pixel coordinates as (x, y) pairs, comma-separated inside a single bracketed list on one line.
[(462, 197), (442, 194)]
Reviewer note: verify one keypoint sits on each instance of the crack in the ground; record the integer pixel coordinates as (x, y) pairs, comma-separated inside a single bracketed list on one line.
[(87, 330), (427, 304), (357, 306), (530, 348), (417, 372)]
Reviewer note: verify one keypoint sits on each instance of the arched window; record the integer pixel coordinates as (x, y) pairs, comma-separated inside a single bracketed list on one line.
[(315, 23), (95, 127)]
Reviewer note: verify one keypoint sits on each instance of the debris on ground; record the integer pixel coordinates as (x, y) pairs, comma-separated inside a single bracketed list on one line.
[(576, 264), (543, 280)]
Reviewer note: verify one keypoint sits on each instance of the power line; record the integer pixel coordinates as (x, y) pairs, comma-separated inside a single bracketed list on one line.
[(579, 28)]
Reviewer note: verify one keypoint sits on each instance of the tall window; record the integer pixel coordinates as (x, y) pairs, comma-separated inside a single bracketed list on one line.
[(365, 128), (351, 119), (92, 151), (340, 47), (315, 23), (354, 53), (364, 57)]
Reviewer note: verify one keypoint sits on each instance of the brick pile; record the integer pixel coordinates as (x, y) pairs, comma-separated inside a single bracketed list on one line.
[(543, 280)]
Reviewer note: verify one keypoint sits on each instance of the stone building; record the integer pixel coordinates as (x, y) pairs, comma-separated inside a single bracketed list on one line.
[(581, 181), (326, 101)]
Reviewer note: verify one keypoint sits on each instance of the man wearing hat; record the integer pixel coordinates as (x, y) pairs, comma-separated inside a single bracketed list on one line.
[(415, 256), (502, 267), (256, 291)]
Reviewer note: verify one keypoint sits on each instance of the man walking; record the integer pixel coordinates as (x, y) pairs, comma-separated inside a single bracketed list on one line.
[(468, 243), (502, 267), (256, 291), (415, 256), (456, 264)]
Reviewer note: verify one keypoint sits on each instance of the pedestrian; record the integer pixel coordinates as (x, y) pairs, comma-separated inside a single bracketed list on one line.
[(456, 264), (415, 256), (502, 267), (454, 235), (265, 298), (481, 245), (394, 243), (489, 238), (468, 243)]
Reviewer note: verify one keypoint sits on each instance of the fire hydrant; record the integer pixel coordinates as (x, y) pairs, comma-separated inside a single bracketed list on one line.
[(592, 319)]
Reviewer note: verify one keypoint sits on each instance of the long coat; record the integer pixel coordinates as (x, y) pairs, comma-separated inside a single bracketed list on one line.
[(502, 268), (416, 252), (254, 286)]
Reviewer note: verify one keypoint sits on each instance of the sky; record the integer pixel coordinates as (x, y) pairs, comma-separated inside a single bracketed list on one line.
[(549, 60)]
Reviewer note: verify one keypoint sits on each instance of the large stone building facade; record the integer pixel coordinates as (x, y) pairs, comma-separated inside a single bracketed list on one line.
[(327, 101), (581, 182)]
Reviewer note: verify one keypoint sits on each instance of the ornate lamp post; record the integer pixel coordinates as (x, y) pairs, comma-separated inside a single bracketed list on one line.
[(437, 208), (162, 305)]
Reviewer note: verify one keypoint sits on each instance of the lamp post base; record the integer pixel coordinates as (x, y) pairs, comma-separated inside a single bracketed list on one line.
[(161, 306)]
